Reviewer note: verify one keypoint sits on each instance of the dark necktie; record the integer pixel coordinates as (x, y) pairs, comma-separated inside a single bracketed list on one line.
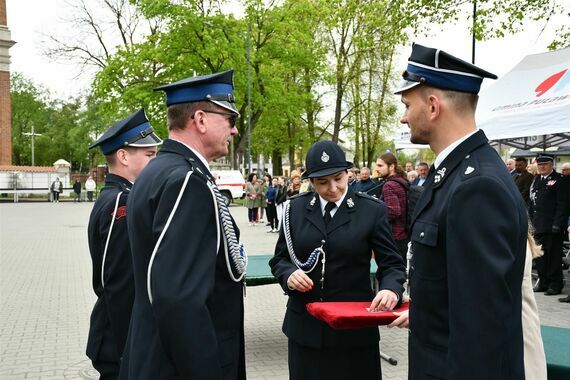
[(328, 208)]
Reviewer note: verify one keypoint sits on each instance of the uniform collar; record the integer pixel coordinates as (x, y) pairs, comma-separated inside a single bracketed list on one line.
[(114, 179), (323, 202), (177, 147), (444, 153)]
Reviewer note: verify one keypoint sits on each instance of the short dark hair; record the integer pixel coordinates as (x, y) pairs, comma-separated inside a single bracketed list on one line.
[(521, 159), (178, 114), (463, 101), (423, 164)]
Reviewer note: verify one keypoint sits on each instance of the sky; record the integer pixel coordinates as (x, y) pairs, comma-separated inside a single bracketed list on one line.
[(64, 79)]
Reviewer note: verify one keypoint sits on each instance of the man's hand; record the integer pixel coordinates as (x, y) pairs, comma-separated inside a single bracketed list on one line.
[(403, 320), (299, 281), (384, 300)]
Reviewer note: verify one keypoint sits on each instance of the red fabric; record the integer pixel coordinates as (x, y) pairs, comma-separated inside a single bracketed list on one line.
[(351, 315)]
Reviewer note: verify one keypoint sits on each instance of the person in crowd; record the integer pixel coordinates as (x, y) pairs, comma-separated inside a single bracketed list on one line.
[(263, 185), (394, 194), (108, 240), (188, 314), (295, 185), (565, 169), (252, 198), (77, 191), (523, 178), (270, 196), (532, 168), (422, 170), (567, 298), (56, 188), (548, 212), (409, 167), (458, 260), (511, 166), (412, 176), (336, 225), (90, 187), (366, 183), (351, 178), (280, 199)]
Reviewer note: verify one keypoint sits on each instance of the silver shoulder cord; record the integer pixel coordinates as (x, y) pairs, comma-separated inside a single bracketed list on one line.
[(236, 256), (109, 238), (309, 265)]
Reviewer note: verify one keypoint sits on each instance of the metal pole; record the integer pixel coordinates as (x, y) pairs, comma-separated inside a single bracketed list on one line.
[(33, 156), (473, 42), (248, 96)]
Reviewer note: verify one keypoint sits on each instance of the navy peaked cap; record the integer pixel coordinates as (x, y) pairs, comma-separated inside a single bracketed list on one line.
[(325, 158), (543, 158), (437, 68), (134, 130), (217, 88)]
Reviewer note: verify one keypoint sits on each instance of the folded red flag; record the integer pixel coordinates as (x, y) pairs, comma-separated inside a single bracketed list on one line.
[(351, 315)]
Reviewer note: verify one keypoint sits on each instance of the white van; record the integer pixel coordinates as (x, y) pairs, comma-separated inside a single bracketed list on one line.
[(231, 184)]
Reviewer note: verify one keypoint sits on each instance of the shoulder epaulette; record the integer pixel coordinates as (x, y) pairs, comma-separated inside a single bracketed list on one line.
[(301, 195), (367, 196)]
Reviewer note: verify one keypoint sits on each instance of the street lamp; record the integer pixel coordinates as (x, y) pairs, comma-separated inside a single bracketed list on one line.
[(33, 135), (248, 58)]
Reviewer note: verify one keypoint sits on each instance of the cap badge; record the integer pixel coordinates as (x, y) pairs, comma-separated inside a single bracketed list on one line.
[(325, 157), (469, 170), (312, 202), (350, 203)]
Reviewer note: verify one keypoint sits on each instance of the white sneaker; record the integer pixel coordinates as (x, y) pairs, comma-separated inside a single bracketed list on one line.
[(250, 224), (269, 230)]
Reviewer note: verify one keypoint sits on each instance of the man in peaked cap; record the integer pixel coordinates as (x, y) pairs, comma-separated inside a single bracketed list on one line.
[(348, 226), (468, 232), (549, 202), (128, 146), (187, 318)]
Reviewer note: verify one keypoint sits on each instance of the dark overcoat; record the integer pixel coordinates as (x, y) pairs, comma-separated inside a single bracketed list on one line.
[(112, 272), (193, 327), (358, 228), (523, 181), (469, 239), (549, 203)]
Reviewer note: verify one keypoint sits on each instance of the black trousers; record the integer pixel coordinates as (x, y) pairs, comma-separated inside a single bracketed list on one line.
[(307, 363), (107, 370), (549, 266), (272, 215), (55, 195)]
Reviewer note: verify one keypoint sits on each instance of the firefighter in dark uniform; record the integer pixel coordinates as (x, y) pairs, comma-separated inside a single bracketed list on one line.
[(548, 213), (187, 320), (128, 146), (468, 232), (323, 254)]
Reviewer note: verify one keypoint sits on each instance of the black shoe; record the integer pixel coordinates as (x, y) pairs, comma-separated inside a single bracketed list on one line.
[(565, 299), (539, 289), (552, 292)]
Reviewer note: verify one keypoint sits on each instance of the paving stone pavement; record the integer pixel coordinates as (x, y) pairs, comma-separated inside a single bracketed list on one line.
[(46, 299)]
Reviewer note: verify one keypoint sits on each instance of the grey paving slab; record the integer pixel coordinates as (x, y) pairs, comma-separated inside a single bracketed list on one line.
[(46, 299)]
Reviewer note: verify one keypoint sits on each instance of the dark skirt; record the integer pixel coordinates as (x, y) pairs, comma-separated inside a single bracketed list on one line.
[(307, 363)]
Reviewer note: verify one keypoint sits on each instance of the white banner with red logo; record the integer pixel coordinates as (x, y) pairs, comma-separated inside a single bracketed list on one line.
[(532, 99)]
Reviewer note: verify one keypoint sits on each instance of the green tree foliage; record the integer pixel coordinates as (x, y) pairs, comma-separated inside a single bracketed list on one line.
[(317, 67)]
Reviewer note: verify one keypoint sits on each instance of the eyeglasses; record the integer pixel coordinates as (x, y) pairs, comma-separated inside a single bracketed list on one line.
[(232, 117)]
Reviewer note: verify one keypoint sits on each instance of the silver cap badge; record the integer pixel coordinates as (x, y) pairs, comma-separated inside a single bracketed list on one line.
[(325, 157)]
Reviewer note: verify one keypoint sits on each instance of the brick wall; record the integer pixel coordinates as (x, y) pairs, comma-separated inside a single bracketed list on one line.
[(5, 119), (3, 20)]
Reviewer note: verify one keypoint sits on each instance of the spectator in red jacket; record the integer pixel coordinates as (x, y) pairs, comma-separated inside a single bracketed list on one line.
[(394, 194)]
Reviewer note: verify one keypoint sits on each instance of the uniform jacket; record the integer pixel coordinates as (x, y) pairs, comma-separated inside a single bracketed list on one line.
[(193, 329), (549, 202), (523, 181), (350, 238), (469, 240), (112, 311)]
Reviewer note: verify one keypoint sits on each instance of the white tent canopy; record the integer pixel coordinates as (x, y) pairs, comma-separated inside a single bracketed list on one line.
[(528, 107)]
